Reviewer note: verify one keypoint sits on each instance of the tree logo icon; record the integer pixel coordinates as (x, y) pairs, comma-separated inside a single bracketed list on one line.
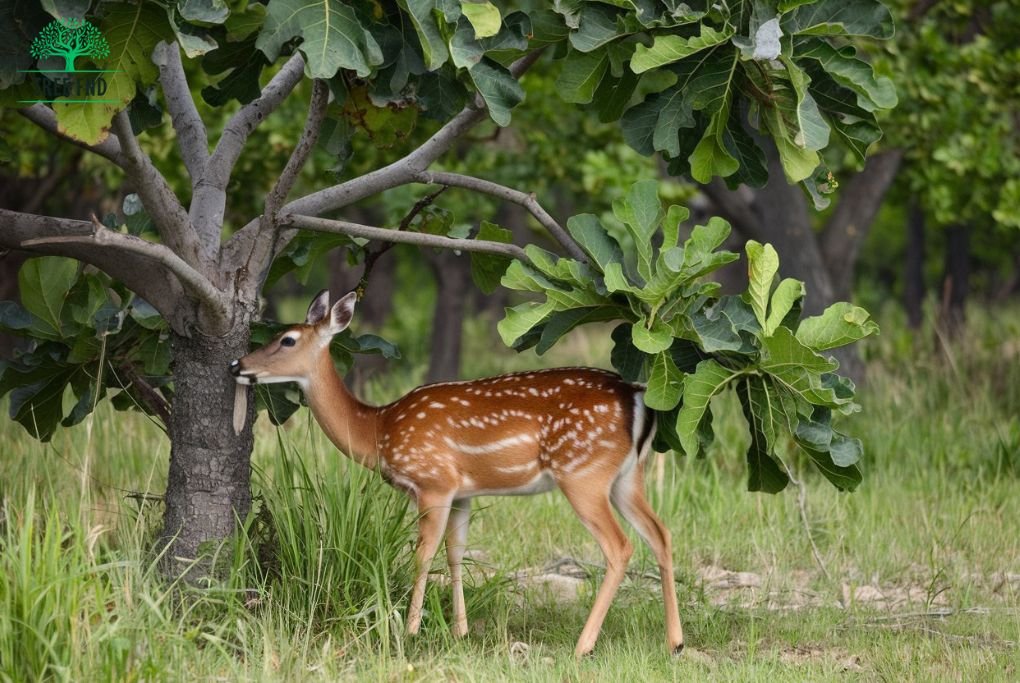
[(69, 38)]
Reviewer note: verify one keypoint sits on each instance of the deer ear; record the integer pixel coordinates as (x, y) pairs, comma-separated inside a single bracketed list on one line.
[(318, 309), (342, 312)]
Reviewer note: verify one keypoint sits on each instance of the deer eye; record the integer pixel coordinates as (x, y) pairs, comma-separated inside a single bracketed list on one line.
[(287, 341)]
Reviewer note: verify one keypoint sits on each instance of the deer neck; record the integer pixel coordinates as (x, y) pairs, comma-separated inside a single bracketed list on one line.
[(349, 423)]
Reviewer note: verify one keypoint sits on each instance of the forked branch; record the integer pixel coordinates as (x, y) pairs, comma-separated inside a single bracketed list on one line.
[(191, 134), (162, 204), (400, 172), (524, 199), (152, 270)]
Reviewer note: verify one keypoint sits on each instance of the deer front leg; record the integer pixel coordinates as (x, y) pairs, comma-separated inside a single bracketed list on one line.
[(456, 542), (433, 511)]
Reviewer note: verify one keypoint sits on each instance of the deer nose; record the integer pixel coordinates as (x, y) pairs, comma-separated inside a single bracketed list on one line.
[(235, 367)]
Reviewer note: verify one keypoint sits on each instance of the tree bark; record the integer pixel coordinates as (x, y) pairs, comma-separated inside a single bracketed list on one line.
[(208, 488), (453, 282), (851, 221), (913, 276)]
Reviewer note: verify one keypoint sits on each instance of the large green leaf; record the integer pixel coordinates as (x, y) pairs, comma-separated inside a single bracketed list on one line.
[(665, 383), (873, 92), (433, 46), (483, 15), (132, 32), (593, 238), (840, 324), (564, 321), (759, 403), (332, 37), (840, 17), (707, 380), (669, 48), (521, 318), (625, 357), (498, 88), (762, 266), (788, 294), (44, 284), (581, 74)]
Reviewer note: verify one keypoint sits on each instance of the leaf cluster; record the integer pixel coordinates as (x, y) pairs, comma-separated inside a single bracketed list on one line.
[(688, 343)]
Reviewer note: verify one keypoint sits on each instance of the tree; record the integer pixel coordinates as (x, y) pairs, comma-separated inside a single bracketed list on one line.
[(671, 74), (70, 38)]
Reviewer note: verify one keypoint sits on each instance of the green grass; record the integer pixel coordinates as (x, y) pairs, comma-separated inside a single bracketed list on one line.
[(317, 587)]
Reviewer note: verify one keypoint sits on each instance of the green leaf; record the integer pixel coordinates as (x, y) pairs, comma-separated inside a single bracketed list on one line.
[(665, 383), (764, 473), (812, 132), (563, 322), (651, 341), (521, 318), (625, 357), (204, 11), (603, 249), (483, 15), (840, 17), (787, 294), (669, 48), (132, 32), (433, 46), (873, 92), (581, 75), (498, 88), (245, 62), (762, 266), (707, 380), (596, 27), (488, 269), (840, 324), (44, 284), (332, 37), (641, 212)]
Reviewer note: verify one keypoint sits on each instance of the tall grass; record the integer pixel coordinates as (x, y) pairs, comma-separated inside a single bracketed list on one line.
[(317, 583)]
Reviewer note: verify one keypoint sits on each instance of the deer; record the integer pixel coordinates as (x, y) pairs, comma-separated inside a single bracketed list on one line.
[(582, 430)]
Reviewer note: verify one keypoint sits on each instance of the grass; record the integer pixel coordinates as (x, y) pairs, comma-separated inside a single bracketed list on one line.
[(919, 559)]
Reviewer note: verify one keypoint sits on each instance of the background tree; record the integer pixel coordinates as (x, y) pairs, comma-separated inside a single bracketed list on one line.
[(658, 70)]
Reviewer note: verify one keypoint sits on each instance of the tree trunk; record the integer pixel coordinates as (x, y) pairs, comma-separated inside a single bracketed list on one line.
[(209, 485), (453, 280), (955, 281), (913, 276)]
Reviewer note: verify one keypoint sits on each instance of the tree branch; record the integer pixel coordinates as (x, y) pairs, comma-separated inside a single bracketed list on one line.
[(43, 116), (303, 149), (209, 201), (191, 133), (524, 199), (162, 204), (417, 238), (152, 270), (400, 172), (284, 184)]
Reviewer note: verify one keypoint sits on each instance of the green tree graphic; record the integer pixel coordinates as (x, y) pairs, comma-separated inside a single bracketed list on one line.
[(69, 38)]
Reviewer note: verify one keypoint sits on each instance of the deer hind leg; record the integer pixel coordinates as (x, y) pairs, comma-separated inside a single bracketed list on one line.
[(628, 496), (456, 541), (433, 512), (590, 499)]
